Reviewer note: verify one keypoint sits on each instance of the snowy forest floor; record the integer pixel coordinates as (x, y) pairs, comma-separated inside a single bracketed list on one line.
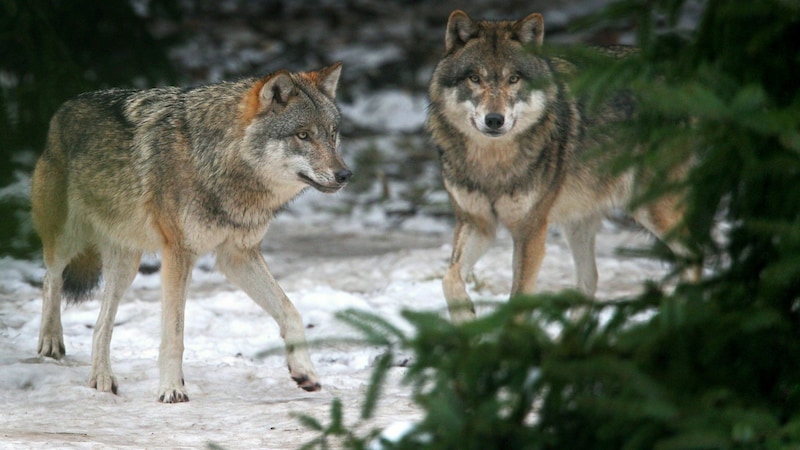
[(238, 399)]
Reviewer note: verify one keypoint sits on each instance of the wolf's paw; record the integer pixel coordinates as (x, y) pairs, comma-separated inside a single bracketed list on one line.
[(172, 394), (305, 381), (51, 346), (104, 382)]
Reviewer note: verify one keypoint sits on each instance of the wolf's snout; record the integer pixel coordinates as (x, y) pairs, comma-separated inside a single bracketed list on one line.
[(494, 120), (343, 175)]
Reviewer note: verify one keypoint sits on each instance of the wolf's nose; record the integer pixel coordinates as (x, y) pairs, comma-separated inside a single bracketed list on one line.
[(494, 120), (343, 175)]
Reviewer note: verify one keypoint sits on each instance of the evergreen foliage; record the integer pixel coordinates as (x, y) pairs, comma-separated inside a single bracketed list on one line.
[(711, 365)]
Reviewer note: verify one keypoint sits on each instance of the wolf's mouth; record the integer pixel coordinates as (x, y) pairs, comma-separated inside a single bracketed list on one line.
[(320, 187)]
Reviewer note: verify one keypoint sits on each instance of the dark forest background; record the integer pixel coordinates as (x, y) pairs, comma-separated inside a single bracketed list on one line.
[(51, 51)]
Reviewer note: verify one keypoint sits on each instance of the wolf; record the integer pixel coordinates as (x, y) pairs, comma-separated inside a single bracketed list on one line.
[(514, 150), (182, 172)]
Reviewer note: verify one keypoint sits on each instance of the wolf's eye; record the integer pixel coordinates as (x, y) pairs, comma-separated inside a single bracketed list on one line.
[(475, 78), (303, 135), (513, 79)]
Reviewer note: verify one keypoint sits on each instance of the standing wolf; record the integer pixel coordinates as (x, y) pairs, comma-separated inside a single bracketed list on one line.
[(183, 172), (513, 147)]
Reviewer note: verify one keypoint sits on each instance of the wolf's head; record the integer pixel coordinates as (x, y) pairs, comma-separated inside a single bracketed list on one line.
[(489, 83), (292, 129)]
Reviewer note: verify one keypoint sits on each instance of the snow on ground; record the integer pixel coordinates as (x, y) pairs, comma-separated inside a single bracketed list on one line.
[(239, 400)]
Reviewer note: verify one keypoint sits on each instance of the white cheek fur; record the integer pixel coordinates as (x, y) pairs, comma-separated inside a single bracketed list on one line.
[(529, 112)]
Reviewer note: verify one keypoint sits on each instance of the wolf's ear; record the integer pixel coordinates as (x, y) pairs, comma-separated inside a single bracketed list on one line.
[(530, 29), (460, 29), (328, 79), (278, 88)]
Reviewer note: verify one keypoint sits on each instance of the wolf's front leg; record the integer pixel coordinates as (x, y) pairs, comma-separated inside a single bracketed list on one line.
[(529, 247), (176, 269), (469, 244), (247, 269)]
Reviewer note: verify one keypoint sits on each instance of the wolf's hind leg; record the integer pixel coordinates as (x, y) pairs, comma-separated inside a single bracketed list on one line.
[(51, 335), (469, 244), (247, 269), (49, 215), (580, 236), (59, 254), (119, 269)]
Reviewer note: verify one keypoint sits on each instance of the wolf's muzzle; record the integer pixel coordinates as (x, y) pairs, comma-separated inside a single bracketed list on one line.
[(494, 120), (342, 176)]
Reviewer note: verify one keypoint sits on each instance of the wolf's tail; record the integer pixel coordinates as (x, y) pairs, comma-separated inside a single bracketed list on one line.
[(82, 276)]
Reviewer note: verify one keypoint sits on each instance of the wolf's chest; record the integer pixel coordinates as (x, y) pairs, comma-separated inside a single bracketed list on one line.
[(492, 170), (497, 158), (511, 209)]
